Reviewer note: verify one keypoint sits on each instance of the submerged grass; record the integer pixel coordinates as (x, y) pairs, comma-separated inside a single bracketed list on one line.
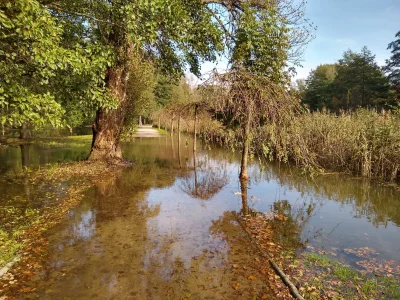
[(319, 276), (329, 278)]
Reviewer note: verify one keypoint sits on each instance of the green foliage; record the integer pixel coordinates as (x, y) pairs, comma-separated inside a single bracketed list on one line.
[(318, 92), (35, 67), (354, 81), (262, 42), (360, 81), (393, 65)]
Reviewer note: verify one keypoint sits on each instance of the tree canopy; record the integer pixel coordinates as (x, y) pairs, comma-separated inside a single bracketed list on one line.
[(393, 64), (354, 81)]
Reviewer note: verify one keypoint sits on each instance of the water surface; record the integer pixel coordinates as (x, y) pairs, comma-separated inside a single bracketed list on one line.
[(163, 229)]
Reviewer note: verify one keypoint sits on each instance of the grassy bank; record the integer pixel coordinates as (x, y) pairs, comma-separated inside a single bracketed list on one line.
[(51, 142)]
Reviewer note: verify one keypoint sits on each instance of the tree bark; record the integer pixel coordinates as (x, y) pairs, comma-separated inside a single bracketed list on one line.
[(24, 132), (107, 126), (140, 121)]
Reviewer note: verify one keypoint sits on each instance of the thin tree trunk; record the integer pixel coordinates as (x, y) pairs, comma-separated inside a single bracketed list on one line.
[(172, 125), (196, 185), (179, 129), (140, 121), (107, 126), (246, 145), (195, 129), (159, 123)]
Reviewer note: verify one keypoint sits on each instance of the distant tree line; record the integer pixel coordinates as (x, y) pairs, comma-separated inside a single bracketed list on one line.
[(354, 81)]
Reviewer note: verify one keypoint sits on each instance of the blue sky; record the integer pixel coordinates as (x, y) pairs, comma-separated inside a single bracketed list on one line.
[(350, 24), (346, 24)]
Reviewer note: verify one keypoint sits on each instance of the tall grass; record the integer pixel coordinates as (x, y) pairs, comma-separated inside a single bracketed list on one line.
[(364, 142)]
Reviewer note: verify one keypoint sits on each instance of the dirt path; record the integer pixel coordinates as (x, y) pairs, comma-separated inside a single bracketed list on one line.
[(147, 131)]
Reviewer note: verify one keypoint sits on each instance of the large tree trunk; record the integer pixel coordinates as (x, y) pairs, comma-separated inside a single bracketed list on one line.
[(25, 132), (107, 126)]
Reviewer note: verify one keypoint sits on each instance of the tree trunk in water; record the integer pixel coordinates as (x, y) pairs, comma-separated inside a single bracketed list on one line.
[(172, 126), (196, 185), (246, 145), (179, 130), (195, 129), (107, 126)]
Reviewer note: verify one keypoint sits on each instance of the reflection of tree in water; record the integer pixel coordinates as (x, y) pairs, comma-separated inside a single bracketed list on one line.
[(379, 204), (287, 222), (206, 180)]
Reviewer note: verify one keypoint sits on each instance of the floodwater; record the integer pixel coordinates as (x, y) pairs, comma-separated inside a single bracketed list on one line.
[(164, 228)]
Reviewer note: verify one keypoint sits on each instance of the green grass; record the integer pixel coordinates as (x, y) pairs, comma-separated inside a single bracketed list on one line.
[(321, 260), (162, 131), (352, 284), (345, 272), (13, 223)]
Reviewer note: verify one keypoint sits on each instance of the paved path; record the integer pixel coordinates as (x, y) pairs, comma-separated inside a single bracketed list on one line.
[(147, 131)]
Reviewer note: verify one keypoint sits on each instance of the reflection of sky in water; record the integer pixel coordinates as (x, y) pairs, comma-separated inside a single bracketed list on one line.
[(340, 223), (85, 225)]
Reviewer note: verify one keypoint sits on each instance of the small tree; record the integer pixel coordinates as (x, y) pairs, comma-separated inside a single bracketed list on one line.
[(249, 101)]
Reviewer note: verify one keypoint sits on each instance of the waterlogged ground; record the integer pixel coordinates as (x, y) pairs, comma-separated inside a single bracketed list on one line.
[(164, 228)]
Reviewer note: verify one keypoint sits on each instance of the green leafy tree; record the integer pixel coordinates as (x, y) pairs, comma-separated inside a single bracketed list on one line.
[(393, 65), (360, 82), (33, 61), (318, 93), (166, 32)]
